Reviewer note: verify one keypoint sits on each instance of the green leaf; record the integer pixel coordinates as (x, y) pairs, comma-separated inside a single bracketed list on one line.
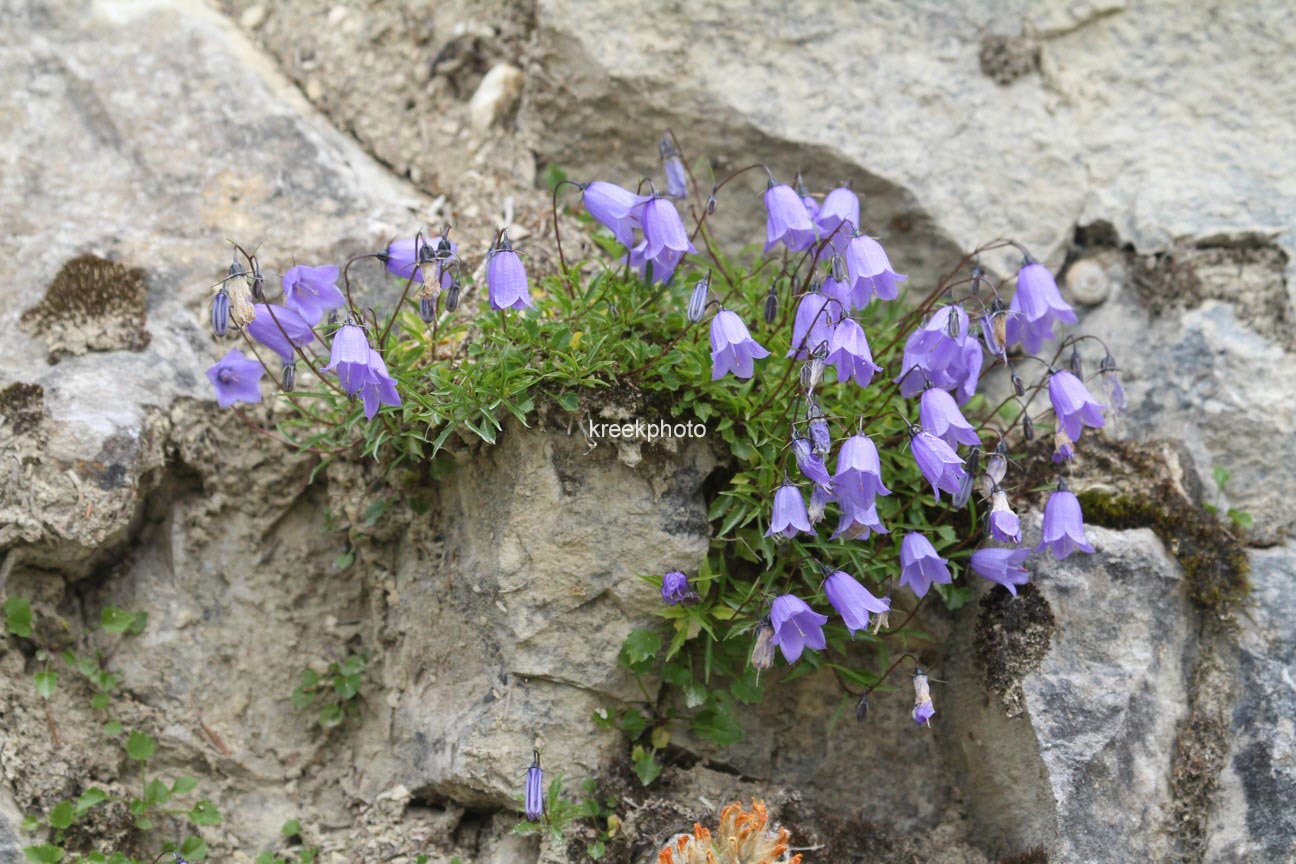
[(640, 646), (330, 716), (89, 798), (646, 767), (46, 681), (291, 828), (184, 785), (156, 792), (193, 848), (43, 854), (116, 620), (375, 511), (62, 815), (204, 813), (717, 727), (140, 746), (18, 617), (112, 728), (568, 401), (1222, 477), (1240, 518)]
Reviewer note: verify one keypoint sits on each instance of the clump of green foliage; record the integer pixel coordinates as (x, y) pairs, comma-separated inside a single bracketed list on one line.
[(161, 804), (335, 693), (596, 812)]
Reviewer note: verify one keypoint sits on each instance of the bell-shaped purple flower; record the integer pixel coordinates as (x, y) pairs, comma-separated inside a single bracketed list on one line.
[(675, 588), (377, 387), (853, 601), (848, 351), (1063, 525), (662, 268), (1003, 522), (1073, 405), (312, 291), (933, 357), (789, 517), (796, 627), (839, 216), (1035, 307), (615, 208), (787, 221), (921, 566), (663, 229), (810, 463), (859, 470), (673, 165), (812, 327), (506, 279), (410, 255), (1001, 565), (870, 272), (279, 329), (938, 462), (236, 378), (349, 357), (533, 797), (923, 709), (859, 521), (732, 347), (941, 417)]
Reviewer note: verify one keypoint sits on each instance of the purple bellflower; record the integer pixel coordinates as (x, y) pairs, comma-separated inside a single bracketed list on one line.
[(1112, 385), (533, 798), (941, 417), (1035, 307), (663, 267), (796, 627), (933, 357), (848, 350), (1004, 524), (312, 291), (921, 566), (1001, 565), (787, 221), (939, 464), (349, 357), (675, 589), (858, 521), (1063, 525), (615, 208), (853, 601), (839, 216), (789, 517), (1073, 405), (812, 327), (869, 272), (378, 387), (810, 463), (408, 256), (923, 709), (506, 278), (859, 470), (279, 329), (732, 347), (665, 240), (236, 378)]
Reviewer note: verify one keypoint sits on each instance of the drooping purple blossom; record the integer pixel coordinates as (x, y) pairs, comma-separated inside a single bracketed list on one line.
[(939, 464), (662, 267), (1112, 385), (858, 521), (673, 165), (920, 565), (615, 208), (378, 387), (1063, 525), (848, 351), (789, 515), (410, 255), (675, 588), (1003, 523), (732, 347), (810, 463), (279, 329), (812, 327), (853, 601), (1001, 565), (870, 272), (312, 291), (665, 240), (787, 221), (506, 278), (533, 798), (236, 378), (859, 470), (796, 627), (933, 357), (1073, 404), (923, 709), (349, 357), (1036, 306), (941, 417), (839, 216)]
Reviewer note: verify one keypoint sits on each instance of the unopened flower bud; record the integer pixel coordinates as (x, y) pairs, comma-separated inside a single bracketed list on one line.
[(673, 164), (333, 317), (973, 461), (452, 296), (978, 276), (427, 309), (257, 282), (1108, 364), (861, 707), (771, 305), (289, 381), (1076, 364), (220, 311), (698, 301), (964, 491), (1028, 429), (838, 269), (1019, 388), (997, 465), (711, 204), (954, 326)]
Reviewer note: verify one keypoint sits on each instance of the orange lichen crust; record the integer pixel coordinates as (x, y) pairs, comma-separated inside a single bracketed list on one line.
[(743, 837)]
